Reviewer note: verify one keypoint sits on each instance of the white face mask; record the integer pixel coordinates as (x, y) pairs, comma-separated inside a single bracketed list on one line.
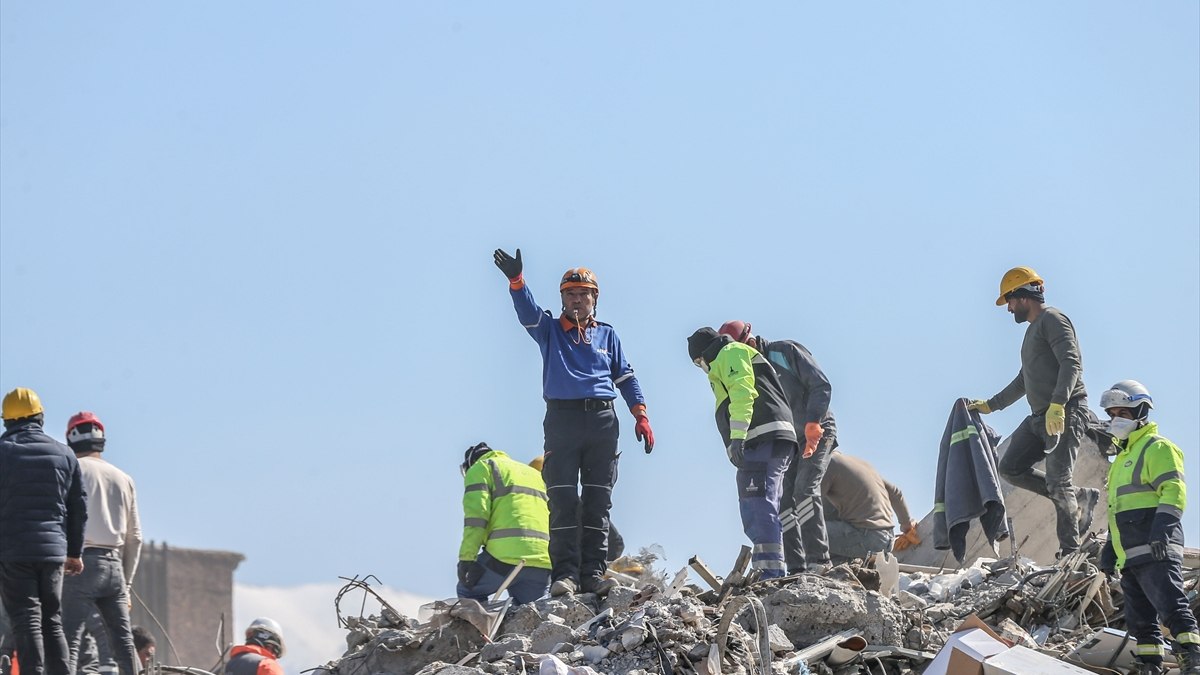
[(1120, 427), (701, 364)]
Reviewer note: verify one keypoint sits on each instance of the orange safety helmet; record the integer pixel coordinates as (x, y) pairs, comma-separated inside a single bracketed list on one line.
[(738, 330), (578, 277)]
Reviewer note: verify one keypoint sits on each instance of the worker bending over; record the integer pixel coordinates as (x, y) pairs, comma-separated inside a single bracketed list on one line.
[(805, 541), (505, 514), (860, 509), (760, 440)]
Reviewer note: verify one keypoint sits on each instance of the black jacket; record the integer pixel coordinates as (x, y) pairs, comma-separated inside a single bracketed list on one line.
[(808, 390), (43, 507), (967, 484)]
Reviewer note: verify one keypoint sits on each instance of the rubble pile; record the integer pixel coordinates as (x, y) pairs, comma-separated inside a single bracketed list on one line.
[(852, 619)]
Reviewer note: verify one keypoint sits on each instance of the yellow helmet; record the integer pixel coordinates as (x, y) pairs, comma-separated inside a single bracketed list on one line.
[(22, 402), (1014, 279), (537, 462), (578, 277)]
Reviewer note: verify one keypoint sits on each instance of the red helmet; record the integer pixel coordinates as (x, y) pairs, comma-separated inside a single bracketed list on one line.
[(74, 434), (738, 330)]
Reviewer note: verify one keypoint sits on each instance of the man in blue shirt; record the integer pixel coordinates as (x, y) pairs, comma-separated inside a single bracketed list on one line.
[(583, 366)]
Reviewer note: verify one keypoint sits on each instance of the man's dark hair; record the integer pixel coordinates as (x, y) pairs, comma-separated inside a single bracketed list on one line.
[(141, 638)]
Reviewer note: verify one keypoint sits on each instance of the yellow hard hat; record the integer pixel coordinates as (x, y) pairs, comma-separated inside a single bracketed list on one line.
[(1014, 279), (537, 462), (22, 402)]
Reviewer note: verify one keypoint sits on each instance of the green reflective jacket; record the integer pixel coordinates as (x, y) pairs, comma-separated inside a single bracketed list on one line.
[(751, 404), (505, 511), (1146, 497)]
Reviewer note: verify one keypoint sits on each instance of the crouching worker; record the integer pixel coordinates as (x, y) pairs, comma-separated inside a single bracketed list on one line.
[(260, 654), (505, 513), (1146, 499)]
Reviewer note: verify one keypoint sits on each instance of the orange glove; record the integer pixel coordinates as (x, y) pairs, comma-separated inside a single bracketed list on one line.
[(908, 539), (812, 436)]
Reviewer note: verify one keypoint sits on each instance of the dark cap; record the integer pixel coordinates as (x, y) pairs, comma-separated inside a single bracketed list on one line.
[(699, 341)]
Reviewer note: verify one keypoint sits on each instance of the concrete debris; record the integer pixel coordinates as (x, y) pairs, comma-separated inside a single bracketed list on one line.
[(834, 624)]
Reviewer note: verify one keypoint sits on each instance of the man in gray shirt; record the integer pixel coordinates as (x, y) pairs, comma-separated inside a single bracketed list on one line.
[(1051, 380)]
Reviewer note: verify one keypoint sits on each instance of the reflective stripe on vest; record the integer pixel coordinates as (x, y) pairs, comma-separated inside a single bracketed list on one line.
[(768, 428)]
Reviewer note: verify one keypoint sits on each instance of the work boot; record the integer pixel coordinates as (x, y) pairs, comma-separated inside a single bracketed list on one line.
[(1087, 499), (1149, 667), (563, 586), (599, 585), (1189, 659)]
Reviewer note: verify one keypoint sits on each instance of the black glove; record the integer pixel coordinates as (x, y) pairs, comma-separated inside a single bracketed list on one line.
[(1158, 549), (509, 265), (464, 571), (1108, 572), (735, 451)]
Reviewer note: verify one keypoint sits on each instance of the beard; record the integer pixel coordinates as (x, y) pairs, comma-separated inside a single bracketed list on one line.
[(1020, 315)]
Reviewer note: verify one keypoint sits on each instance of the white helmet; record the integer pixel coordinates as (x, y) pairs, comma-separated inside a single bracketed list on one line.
[(1127, 394), (267, 633)]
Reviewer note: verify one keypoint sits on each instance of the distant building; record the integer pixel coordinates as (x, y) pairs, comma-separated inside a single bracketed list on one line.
[(189, 592)]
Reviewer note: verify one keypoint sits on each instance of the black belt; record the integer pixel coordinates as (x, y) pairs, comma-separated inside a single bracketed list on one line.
[(99, 550), (579, 403)]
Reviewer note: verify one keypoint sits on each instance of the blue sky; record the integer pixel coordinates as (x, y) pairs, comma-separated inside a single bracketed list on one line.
[(256, 239)]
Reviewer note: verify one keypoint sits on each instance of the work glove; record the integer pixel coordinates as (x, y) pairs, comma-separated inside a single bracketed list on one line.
[(1109, 572), (464, 571), (509, 265), (644, 433), (1158, 549), (909, 537), (735, 451), (1056, 419), (812, 436), (980, 405)]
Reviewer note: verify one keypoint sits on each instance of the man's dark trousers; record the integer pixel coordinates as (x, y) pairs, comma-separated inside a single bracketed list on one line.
[(581, 448), (801, 509), (1028, 446), (1154, 590), (101, 587), (32, 597)]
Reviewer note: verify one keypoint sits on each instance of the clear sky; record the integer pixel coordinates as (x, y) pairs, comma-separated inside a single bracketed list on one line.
[(256, 238)]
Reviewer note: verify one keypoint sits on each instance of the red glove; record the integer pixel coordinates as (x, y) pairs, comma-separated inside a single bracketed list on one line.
[(812, 436), (643, 432)]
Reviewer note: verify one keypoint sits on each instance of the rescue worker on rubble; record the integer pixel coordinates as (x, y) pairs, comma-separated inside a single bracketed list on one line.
[(756, 428), (1146, 500), (262, 651), (505, 514), (805, 539), (1051, 380), (583, 366), (860, 507), (616, 543)]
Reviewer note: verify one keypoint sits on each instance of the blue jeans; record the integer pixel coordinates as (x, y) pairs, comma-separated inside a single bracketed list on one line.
[(531, 582), (100, 587), (760, 486), (847, 542), (32, 595)]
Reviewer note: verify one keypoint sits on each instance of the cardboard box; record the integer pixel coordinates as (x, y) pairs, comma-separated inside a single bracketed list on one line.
[(967, 649), (1024, 661)]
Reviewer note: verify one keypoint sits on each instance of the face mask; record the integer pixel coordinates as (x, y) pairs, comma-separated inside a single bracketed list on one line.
[(1120, 427), (701, 364)]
